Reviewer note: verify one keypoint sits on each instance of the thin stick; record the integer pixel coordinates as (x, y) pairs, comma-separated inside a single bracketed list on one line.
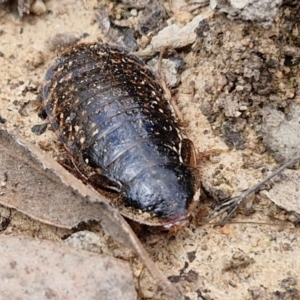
[(232, 204)]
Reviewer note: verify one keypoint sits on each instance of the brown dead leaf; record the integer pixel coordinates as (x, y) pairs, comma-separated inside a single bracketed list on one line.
[(36, 185), (40, 269)]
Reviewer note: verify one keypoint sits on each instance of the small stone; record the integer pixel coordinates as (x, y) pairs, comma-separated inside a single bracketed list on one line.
[(39, 129), (245, 42), (289, 282), (290, 95), (222, 81), (63, 40), (153, 18), (261, 12), (85, 240), (2, 120), (38, 7), (294, 218), (134, 12)]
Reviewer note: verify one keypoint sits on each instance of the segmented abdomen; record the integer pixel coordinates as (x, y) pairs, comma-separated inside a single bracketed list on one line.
[(109, 110)]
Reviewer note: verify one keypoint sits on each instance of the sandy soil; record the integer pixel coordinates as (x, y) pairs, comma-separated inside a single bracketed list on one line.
[(255, 256)]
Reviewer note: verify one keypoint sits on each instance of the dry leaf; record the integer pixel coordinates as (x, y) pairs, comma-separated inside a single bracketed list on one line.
[(39, 269), (36, 185), (39, 187)]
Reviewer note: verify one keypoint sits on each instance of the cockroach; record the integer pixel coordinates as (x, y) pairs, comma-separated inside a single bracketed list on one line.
[(111, 115)]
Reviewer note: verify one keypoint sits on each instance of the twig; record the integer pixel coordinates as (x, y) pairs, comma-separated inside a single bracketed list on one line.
[(232, 204)]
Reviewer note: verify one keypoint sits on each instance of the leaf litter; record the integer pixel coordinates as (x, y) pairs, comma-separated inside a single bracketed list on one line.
[(38, 269), (39, 187)]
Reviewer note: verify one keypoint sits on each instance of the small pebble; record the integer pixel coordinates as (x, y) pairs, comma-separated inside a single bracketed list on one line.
[(39, 129), (134, 12), (38, 7)]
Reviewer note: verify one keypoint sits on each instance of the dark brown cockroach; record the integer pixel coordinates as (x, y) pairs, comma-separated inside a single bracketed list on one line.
[(110, 113)]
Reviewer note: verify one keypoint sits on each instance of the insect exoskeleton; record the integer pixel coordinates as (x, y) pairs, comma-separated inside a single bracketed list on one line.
[(110, 113)]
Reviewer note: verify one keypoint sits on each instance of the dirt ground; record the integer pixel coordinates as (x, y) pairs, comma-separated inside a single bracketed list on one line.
[(232, 75)]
